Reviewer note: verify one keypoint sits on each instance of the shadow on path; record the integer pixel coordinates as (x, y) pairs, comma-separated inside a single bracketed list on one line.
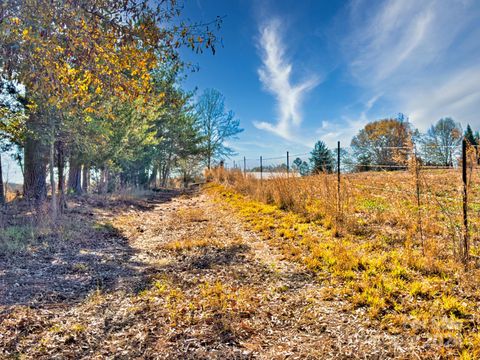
[(64, 264)]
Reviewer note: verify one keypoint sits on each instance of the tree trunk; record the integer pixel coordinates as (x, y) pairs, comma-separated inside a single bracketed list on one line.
[(52, 175), (153, 177), (2, 190), (35, 163), (165, 175), (185, 181), (209, 153), (85, 178), (75, 176), (61, 176), (100, 181), (166, 170), (103, 180)]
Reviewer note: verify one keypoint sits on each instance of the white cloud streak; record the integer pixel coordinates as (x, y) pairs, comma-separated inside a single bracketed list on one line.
[(343, 131), (275, 75), (421, 55)]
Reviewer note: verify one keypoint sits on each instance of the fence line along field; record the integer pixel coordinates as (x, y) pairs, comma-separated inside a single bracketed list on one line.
[(391, 242), (450, 189)]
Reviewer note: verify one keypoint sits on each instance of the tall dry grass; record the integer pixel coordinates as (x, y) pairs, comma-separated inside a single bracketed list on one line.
[(389, 243), (417, 208)]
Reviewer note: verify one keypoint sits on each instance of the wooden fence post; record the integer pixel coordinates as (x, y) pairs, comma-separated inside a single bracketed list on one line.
[(419, 203), (465, 245), (338, 176)]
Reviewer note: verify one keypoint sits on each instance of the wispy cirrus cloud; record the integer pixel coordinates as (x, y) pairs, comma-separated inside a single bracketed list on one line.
[(346, 127), (421, 55), (389, 39), (276, 76)]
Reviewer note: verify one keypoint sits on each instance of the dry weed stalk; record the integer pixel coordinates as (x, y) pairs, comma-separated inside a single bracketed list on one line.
[(419, 203)]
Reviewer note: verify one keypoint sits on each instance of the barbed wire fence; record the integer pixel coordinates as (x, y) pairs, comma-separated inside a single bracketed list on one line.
[(457, 196)]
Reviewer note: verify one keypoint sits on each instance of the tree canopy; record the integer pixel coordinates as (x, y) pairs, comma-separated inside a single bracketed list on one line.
[(100, 78), (321, 158), (216, 125), (440, 142), (381, 144)]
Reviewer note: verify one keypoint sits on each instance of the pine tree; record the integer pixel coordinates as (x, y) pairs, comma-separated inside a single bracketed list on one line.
[(300, 166), (470, 137), (322, 158), (474, 140)]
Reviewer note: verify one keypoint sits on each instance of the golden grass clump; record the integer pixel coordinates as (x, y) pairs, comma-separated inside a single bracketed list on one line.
[(223, 306), (376, 245)]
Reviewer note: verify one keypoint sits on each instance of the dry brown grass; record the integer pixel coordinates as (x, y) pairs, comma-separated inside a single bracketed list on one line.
[(384, 203), (10, 195), (377, 247)]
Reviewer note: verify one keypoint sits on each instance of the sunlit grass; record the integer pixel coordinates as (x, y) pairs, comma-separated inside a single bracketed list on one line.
[(371, 248)]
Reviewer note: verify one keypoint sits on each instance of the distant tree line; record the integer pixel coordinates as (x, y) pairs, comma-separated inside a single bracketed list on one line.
[(387, 144)]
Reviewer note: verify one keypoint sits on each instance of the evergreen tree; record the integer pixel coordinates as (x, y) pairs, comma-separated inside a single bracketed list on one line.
[(322, 158), (470, 137), (473, 139), (301, 166)]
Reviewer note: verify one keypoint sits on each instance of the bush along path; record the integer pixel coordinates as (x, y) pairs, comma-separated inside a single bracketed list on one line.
[(204, 287)]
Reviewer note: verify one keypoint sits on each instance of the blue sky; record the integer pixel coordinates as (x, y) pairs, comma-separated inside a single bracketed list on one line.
[(296, 71)]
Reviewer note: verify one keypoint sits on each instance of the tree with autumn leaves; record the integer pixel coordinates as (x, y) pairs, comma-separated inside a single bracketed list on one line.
[(388, 144), (86, 65), (381, 144)]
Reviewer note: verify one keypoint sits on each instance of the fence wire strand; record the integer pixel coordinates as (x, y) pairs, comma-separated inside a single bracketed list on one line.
[(449, 198)]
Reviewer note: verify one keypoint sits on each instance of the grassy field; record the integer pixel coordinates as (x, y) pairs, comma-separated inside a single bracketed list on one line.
[(247, 269), (168, 276), (381, 246)]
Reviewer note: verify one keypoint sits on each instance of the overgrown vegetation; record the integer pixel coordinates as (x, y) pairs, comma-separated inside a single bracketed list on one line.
[(99, 260), (369, 246), (108, 107)]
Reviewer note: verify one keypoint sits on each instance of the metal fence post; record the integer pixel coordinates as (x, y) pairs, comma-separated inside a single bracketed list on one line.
[(465, 245), (288, 163), (338, 176), (261, 169), (244, 166)]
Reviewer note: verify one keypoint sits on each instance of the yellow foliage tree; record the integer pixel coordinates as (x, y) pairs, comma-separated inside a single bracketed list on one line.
[(73, 54)]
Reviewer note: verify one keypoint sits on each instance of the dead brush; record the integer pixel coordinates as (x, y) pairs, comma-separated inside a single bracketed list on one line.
[(314, 197), (409, 207), (221, 175), (281, 191), (394, 257), (323, 202)]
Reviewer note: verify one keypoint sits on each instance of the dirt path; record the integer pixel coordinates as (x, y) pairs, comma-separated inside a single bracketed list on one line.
[(204, 288)]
